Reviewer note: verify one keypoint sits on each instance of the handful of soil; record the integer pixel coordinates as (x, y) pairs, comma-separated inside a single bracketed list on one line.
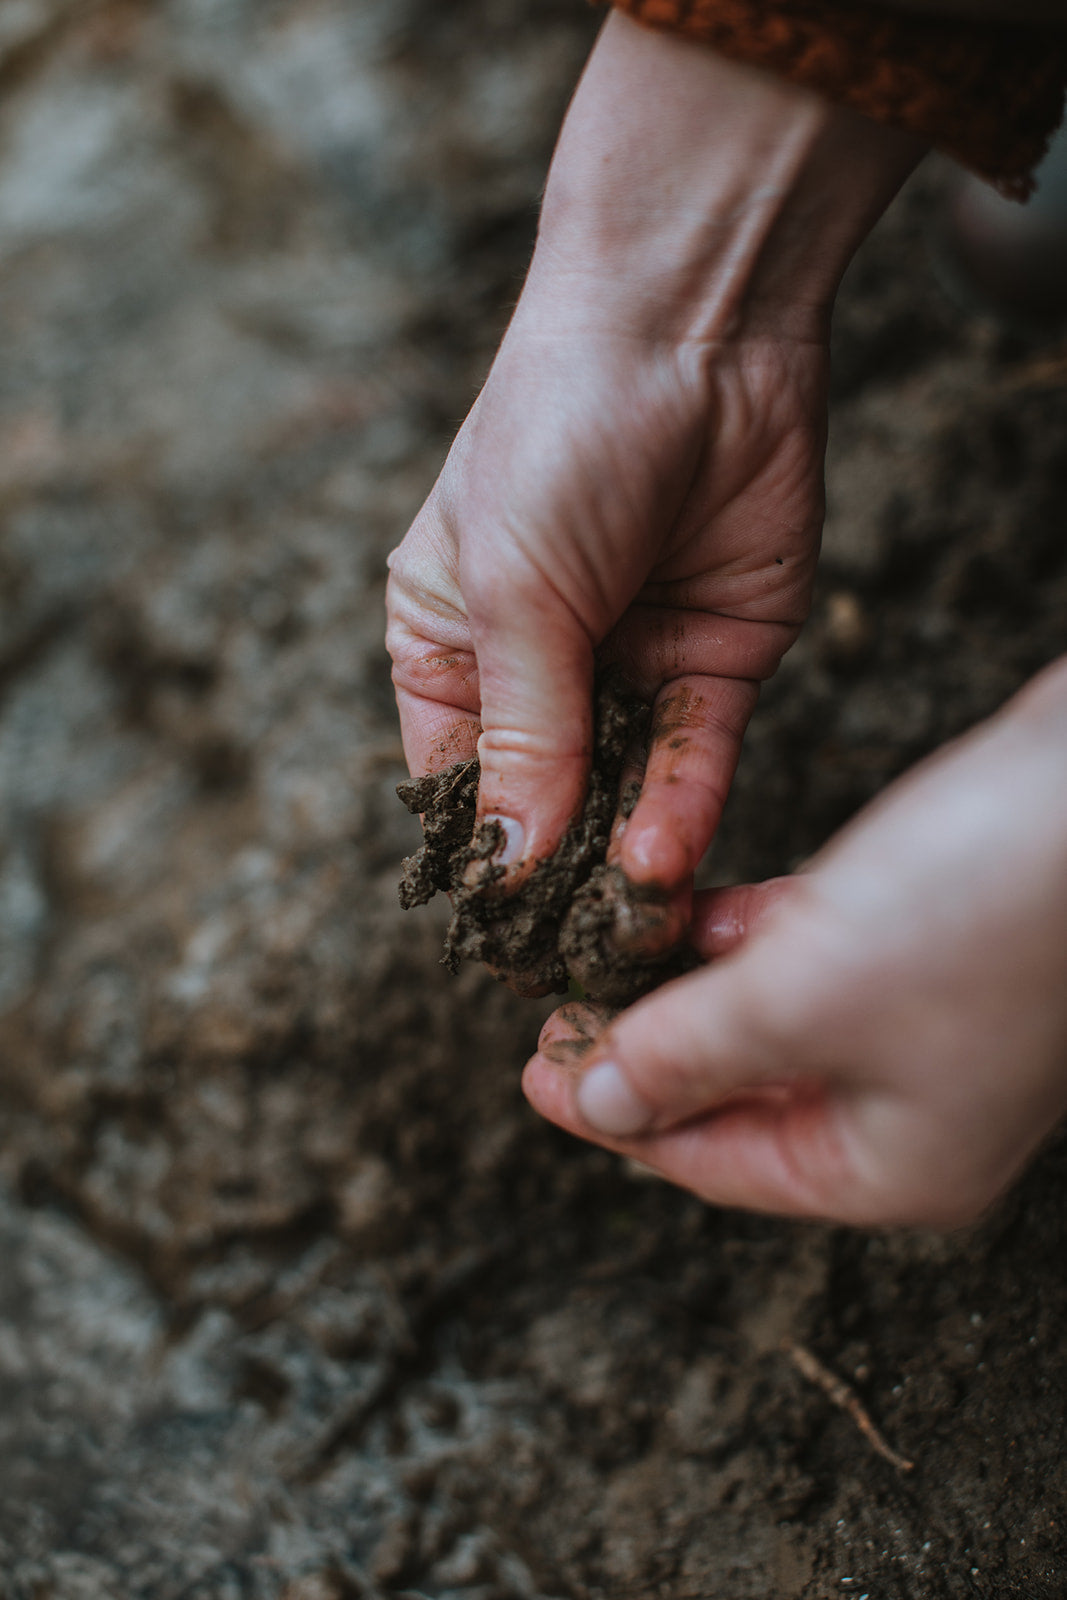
[(574, 917)]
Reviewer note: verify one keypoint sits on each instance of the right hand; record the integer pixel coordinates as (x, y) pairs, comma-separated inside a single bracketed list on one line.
[(666, 500), (642, 475)]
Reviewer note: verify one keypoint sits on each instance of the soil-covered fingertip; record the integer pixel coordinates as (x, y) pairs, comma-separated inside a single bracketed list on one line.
[(573, 917), (620, 940)]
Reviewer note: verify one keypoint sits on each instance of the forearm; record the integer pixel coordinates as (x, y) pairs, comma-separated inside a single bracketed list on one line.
[(691, 197), (988, 91)]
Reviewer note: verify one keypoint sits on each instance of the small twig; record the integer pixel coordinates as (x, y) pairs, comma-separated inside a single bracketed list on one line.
[(461, 770), (838, 1392)]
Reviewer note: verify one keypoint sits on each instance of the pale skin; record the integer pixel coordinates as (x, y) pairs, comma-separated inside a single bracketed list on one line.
[(883, 1038), (641, 481)]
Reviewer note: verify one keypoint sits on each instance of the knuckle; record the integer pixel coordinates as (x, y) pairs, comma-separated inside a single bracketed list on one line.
[(538, 745), (426, 668), (499, 592)]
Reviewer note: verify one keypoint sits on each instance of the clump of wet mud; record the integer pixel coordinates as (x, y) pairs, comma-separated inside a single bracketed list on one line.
[(609, 917), (575, 917)]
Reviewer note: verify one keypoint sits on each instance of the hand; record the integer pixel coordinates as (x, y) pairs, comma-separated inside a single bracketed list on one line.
[(641, 477), (887, 1041)]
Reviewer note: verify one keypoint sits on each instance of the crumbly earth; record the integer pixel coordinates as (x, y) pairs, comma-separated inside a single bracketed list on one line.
[(299, 1301), (574, 917)]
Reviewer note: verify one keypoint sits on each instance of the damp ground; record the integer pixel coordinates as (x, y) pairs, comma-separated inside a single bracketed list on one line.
[(299, 1299)]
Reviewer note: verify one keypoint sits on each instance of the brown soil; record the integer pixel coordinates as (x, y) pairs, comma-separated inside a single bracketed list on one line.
[(299, 1300), (575, 918)]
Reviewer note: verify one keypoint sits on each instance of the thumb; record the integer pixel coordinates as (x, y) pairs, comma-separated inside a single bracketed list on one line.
[(722, 1081), (535, 668), (683, 1050)]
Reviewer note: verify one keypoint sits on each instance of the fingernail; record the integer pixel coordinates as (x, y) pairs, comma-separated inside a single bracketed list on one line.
[(511, 851), (609, 1105)]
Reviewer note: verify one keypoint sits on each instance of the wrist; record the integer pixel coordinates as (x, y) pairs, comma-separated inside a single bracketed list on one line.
[(695, 198)]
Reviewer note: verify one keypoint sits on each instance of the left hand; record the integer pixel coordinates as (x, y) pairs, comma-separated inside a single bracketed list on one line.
[(884, 1040)]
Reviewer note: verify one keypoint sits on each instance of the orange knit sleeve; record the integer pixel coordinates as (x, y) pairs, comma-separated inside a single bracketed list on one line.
[(988, 93)]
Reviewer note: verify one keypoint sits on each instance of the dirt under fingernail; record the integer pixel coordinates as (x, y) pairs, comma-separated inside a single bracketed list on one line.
[(571, 1032), (567, 1052)]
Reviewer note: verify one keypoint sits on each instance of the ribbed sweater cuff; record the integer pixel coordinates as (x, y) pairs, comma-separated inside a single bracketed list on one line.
[(988, 93)]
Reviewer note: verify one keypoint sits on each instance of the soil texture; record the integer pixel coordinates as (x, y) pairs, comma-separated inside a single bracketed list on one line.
[(574, 918), (299, 1300)]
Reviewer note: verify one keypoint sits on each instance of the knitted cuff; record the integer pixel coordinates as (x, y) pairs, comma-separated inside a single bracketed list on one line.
[(988, 93)]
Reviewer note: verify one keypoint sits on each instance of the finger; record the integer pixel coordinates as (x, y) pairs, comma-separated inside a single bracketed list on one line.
[(616, 936), (535, 673), (435, 735), (435, 672), (654, 644), (686, 1047), (770, 1142), (702, 655), (694, 744), (571, 1032), (723, 919), (785, 1151), (644, 928)]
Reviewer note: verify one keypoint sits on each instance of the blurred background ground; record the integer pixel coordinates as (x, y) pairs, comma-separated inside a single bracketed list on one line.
[(298, 1299)]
